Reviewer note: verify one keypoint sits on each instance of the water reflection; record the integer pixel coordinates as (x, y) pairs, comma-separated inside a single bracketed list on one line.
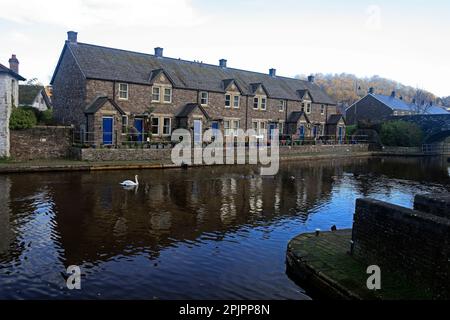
[(215, 232)]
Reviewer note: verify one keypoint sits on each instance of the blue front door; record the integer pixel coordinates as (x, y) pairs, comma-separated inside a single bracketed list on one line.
[(340, 134), (215, 128), (197, 131), (139, 125), (315, 131), (301, 132), (107, 130), (272, 127)]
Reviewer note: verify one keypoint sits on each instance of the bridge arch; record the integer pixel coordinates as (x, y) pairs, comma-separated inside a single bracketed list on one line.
[(437, 137)]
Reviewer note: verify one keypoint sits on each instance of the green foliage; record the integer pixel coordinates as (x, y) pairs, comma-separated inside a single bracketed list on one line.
[(22, 118), (350, 130), (401, 134), (46, 117)]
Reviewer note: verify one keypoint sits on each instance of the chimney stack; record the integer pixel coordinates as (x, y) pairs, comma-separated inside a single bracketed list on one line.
[(371, 90), (273, 72), (14, 64), (311, 79), (223, 63), (393, 94), (72, 37), (159, 52)]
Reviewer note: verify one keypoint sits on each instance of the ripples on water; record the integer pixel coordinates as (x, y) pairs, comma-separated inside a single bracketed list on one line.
[(205, 233)]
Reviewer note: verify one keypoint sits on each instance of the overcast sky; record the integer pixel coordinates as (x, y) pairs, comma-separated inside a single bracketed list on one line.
[(407, 41)]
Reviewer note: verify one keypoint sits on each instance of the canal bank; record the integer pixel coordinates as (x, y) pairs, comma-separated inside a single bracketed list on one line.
[(140, 159), (409, 247)]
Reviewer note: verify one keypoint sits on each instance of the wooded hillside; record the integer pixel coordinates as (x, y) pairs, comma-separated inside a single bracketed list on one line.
[(347, 88)]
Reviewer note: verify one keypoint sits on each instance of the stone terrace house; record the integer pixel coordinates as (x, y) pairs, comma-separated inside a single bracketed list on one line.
[(107, 91)]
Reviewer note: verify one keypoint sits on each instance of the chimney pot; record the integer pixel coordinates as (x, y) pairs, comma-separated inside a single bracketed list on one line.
[(273, 72), (393, 94), (371, 90), (311, 79), (14, 63), (159, 52), (72, 36), (223, 63)]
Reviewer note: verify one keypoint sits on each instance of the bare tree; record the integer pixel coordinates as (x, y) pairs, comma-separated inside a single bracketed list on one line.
[(420, 104)]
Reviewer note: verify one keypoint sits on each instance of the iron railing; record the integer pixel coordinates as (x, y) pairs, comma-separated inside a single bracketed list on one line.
[(116, 139)]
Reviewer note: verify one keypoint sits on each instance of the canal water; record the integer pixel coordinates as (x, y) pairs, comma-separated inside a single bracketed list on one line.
[(203, 233)]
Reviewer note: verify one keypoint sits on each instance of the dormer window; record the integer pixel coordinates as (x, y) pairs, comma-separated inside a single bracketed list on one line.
[(228, 101), (308, 108), (168, 95), (263, 103), (256, 103), (155, 94), (123, 91), (236, 100), (204, 98)]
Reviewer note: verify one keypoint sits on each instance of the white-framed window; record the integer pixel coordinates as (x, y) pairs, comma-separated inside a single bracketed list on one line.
[(167, 126), (168, 95), (124, 124), (156, 94), (231, 127), (236, 100), (236, 126), (226, 127), (259, 126), (281, 106), (263, 103), (155, 126), (322, 109), (308, 108), (255, 103), (281, 127), (204, 98), (227, 101), (123, 91)]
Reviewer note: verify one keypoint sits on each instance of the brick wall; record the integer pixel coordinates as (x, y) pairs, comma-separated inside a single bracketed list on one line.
[(414, 243), (41, 143)]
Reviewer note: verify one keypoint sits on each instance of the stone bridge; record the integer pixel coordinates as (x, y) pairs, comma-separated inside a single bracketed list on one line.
[(435, 127)]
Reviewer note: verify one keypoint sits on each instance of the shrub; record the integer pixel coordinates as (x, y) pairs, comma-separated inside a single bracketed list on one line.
[(46, 117), (22, 119), (401, 134), (350, 130)]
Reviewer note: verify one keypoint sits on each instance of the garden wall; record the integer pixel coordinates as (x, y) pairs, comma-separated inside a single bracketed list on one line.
[(41, 142), (164, 155)]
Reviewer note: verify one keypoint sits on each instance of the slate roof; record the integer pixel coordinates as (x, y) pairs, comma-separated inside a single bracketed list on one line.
[(99, 102), (4, 69), (103, 63), (335, 118), (398, 104), (189, 108), (295, 116)]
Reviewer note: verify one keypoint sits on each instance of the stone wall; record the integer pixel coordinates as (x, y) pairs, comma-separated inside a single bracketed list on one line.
[(164, 155), (41, 143), (415, 244)]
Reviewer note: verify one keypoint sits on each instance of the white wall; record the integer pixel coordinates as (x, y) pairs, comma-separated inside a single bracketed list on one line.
[(9, 95)]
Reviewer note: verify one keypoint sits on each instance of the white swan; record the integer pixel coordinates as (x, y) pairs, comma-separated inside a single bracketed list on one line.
[(129, 183)]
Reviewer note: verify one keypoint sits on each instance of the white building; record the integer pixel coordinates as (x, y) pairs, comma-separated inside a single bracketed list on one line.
[(9, 97)]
